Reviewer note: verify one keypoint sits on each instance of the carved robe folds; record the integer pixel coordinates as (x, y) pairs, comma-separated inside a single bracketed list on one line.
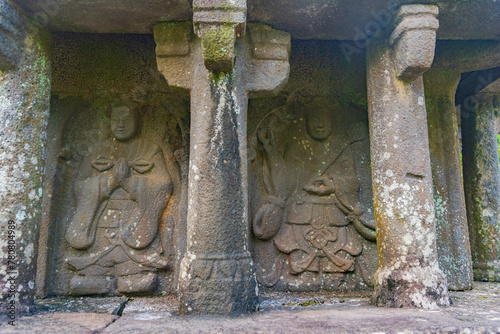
[(116, 221), (310, 211)]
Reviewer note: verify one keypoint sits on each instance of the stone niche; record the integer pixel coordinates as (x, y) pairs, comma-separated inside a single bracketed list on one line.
[(311, 211), (115, 188), (115, 193)]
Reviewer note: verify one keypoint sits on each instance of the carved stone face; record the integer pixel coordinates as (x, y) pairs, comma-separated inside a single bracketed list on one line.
[(319, 124), (124, 123)]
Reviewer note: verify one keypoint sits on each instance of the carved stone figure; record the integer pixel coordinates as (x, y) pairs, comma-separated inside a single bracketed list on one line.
[(311, 210), (120, 194)]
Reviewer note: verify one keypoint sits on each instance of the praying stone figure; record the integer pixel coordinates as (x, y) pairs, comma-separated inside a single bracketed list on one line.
[(311, 211), (121, 192)]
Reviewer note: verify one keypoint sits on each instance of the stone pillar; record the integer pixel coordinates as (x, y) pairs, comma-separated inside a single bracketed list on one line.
[(217, 272), (449, 202), (24, 110), (482, 184), (408, 273)]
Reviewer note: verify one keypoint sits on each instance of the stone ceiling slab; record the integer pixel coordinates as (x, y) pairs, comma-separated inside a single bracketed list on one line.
[(303, 19)]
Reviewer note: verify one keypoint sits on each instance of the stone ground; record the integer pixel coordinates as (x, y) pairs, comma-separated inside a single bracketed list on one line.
[(476, 311)]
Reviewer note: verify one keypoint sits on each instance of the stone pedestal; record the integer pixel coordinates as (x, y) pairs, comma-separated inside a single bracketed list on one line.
[(451, 218), (408, 274), (217, 272), (24, 109), (482, 185)]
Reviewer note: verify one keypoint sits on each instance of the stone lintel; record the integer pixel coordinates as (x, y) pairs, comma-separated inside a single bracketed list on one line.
[(11, 36), (492, 89), (414, 39), (218, 23), (467, 56)]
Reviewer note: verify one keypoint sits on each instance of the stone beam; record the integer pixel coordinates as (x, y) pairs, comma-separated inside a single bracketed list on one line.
[(24, 109), (467, 56), (217, 273), (408, 273), (472, 83), (482, 179), (451, 219)]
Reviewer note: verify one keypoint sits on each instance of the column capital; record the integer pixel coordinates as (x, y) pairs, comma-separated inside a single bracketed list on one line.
[(268, 57), (218, 23), (174, 49), (413, 40), (269, 62)]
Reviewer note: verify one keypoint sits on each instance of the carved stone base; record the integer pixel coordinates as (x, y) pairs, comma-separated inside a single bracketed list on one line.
[(217, 285), (424, 287), (137, 284), (88, 285), (487, 272)]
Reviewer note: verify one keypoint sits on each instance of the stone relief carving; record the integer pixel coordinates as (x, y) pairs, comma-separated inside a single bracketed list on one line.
[(122, 188), (310, 209)]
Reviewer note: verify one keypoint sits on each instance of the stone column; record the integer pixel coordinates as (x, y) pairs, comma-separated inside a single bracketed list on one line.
[(408, 273), (24, 110), (482, 184), (451, 218), (217, 272)]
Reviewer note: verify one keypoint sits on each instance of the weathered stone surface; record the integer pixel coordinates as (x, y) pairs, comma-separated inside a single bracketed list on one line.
[(304, 19), (268, 70), (217, 273), (122, 187), (322, 82), (482, 184), (106, 16), (408, 273), (109, 305), (12, 32), (414, 23), (24, 109), (471, 84), (473, 311), (467, 56), (218, 23), (145, 199), (311, 228), (449, 202), (62, 323)]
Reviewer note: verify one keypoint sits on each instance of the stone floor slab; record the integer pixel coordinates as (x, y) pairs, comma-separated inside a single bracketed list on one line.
[(63, 323), (475, 311)]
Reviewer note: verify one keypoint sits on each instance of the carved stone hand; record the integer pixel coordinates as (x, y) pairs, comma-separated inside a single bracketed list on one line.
[(320, 186), (122, 170)]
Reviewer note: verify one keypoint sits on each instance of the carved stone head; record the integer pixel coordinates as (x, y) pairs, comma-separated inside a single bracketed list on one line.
[(125, 120), (318, 119)]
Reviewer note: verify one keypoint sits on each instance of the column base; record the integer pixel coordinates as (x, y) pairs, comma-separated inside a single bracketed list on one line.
[(217, 285), (487, 272), (423, 287)]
